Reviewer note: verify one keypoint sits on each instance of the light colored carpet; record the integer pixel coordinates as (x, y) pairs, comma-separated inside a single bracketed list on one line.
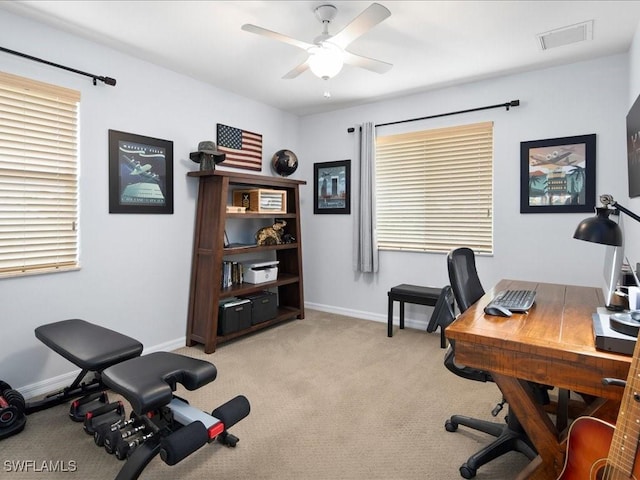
[(332, 397)]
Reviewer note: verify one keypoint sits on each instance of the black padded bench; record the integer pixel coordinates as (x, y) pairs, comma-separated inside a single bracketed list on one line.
[(161, 423), (148, 382), (177, 429), (90, 347), (416, 294)]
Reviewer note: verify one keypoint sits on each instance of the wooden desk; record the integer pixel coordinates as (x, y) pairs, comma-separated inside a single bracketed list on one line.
[(552, 344)]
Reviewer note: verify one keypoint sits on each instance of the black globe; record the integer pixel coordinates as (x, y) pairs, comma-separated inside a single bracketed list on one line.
[(284, 162)]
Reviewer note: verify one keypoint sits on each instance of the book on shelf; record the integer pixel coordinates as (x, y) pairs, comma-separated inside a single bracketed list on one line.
[(231, 273)]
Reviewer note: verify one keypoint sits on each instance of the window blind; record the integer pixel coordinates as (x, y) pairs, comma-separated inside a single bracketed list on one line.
[(38, 176), (434, 189)]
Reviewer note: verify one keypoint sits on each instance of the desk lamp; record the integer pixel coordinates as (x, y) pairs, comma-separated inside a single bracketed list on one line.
[(601, 229)]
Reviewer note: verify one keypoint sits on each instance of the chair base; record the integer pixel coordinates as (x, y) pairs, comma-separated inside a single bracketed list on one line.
[(510, 436)]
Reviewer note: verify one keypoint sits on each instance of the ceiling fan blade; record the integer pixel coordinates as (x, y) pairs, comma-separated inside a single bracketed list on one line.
[(369, 18), (303, 67), (371, 64), (247, 27)]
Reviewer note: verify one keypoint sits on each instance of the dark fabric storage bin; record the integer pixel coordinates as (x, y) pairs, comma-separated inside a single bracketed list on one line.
[(263, 306), (234, 315)]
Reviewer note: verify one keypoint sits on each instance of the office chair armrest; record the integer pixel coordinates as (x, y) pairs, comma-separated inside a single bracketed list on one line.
[(462, 370)]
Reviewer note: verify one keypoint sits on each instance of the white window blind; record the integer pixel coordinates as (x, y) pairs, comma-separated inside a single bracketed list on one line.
[(38, 176), (434, 189)]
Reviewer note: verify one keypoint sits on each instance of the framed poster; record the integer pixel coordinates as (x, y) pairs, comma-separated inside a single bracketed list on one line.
[(332, 187), (140, 174), (633, 149), (558, 175)]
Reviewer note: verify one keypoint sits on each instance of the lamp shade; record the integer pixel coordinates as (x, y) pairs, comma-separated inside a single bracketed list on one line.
[(325, 60), (599, 229)]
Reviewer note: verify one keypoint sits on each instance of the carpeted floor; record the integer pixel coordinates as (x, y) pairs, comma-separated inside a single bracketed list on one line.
[(332, 397)]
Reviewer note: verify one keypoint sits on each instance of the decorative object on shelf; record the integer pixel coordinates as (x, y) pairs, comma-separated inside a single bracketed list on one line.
[(140, 174), (243, 148), (332, 187), (261, 200), (208, 156), (284, 162), (558, 175), (271, 235)]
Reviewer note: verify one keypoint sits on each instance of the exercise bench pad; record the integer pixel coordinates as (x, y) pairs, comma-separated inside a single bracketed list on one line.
[(148, 382), (88, 346)]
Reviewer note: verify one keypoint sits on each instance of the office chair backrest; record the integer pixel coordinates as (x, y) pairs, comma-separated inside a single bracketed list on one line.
[(463, 276), (443, 313)]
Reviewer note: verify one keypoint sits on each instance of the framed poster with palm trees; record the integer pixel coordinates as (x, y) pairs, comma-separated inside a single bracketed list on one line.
[(558, 175)]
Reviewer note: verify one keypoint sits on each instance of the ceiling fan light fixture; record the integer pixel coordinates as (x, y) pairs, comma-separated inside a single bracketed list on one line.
[(325, 60)]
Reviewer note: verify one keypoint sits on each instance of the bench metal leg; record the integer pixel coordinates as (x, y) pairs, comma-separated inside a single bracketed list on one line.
[(75, 390), (390, 318)]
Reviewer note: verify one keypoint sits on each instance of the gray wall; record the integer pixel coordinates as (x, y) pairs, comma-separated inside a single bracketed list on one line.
[(578, 99), (135, 268)]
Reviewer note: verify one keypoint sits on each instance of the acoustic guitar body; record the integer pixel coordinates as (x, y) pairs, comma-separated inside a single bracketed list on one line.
[(587, 451)]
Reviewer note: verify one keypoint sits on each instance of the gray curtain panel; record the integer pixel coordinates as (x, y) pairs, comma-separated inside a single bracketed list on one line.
[(365, 248)]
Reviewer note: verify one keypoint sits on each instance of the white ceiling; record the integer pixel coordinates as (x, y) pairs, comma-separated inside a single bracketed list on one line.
[(431, 44)]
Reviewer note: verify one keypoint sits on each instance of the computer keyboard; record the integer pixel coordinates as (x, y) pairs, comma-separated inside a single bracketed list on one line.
[(515, 300)]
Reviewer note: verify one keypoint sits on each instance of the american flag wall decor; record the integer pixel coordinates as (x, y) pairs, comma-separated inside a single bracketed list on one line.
[(243, 149)]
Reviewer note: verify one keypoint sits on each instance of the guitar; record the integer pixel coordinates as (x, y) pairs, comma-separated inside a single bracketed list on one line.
[(597, 450)]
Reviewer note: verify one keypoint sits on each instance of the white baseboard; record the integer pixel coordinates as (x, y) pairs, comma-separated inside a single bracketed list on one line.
[(418, 324)]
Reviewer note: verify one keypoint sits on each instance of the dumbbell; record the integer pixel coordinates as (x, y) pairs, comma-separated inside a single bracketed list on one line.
[(114, 438), (12, 405), (126, 447), (105, 429)]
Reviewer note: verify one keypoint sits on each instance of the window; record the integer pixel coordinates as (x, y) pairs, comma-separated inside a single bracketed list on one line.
[(434, 189), (38, 177)]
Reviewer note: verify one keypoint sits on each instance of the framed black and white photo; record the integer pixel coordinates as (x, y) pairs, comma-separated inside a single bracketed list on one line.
[(558, 175), (332, 187), (140, 174)]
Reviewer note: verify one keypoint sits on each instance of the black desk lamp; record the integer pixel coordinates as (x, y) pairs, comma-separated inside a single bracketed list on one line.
[(601, 229)]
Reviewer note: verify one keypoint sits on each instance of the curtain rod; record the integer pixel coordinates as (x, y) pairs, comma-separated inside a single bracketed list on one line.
[(106, 80), (507, 105)]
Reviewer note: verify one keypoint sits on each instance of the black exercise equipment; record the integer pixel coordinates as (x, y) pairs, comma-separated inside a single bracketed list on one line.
[(109, 414), (90, 347), (12, 411), (160, 423), (179, 429)]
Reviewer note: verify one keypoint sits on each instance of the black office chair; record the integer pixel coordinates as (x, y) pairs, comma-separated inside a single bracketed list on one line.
[(510, 436)]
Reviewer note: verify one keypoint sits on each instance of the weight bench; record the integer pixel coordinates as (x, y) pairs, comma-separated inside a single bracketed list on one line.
[(176, 428), (419, 295), (90, 347), (161, 423)]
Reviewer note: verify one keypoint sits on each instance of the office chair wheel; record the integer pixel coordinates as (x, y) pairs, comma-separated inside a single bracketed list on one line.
[(467, 472), (451, 426)]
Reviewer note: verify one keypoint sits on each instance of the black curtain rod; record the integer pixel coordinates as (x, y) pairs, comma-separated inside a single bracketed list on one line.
[(106, 80), (507, 105)]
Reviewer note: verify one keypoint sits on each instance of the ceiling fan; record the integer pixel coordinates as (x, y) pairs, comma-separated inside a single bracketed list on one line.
[(328, 53)]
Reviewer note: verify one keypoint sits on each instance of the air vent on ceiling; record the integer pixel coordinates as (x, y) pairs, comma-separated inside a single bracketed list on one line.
[(564, 36)]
